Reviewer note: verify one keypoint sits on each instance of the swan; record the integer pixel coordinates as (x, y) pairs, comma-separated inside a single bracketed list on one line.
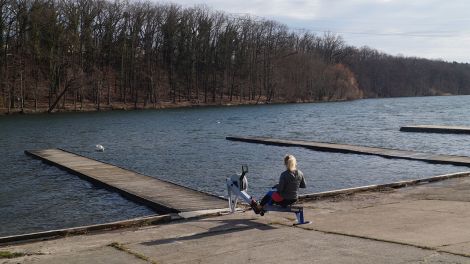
[(99, 148)]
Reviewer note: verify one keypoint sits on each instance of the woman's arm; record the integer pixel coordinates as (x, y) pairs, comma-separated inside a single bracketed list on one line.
[(282, 183), (302, 180)]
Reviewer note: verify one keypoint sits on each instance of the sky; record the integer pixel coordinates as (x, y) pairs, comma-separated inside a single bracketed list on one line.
[(422, 28)]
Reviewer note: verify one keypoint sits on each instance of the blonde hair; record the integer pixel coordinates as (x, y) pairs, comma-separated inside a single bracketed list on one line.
[(290, 162)]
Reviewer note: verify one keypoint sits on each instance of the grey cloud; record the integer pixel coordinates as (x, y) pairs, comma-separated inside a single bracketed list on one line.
[(424, 28)]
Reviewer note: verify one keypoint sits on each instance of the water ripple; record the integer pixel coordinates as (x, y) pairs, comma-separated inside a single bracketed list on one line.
[(188, 146)]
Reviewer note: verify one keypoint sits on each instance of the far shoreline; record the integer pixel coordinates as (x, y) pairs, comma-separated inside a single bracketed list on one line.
[(119, 106), (89, 107)]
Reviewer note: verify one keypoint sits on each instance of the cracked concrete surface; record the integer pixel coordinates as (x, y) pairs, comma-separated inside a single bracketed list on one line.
[(422, 224)]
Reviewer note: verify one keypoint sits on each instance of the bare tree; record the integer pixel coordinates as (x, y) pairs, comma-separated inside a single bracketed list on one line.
[(97, 53)]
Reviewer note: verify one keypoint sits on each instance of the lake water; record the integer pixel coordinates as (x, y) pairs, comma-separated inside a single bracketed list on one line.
[(188, 146)]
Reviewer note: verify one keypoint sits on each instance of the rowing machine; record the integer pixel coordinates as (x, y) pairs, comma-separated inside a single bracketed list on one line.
[(237, 186)]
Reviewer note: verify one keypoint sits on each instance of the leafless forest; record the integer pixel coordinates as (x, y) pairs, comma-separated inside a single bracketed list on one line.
[(76, 54)]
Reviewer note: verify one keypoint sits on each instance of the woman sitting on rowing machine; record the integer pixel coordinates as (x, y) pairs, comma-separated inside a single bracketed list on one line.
[(286, 191)]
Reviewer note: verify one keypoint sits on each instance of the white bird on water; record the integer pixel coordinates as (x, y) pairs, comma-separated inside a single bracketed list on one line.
[(99, 148)]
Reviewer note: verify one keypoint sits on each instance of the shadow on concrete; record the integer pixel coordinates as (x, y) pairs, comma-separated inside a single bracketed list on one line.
[(225, 227)]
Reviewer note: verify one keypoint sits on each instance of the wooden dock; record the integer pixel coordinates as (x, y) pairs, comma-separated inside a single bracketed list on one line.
[(344, 148), (436, 129), (162, 196)]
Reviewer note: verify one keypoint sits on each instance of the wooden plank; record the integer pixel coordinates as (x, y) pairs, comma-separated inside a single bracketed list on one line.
[(436, 129), (162, 196), (352, 149)]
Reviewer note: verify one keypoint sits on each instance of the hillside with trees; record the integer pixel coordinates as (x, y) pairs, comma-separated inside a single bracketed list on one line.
[(96, 54)]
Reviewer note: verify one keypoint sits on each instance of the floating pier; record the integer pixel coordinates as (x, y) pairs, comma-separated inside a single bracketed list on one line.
[(344, 148), (436, 129), (159, 195)]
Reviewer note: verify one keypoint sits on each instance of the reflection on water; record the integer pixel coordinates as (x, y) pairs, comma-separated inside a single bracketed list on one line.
[(188, 146)]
